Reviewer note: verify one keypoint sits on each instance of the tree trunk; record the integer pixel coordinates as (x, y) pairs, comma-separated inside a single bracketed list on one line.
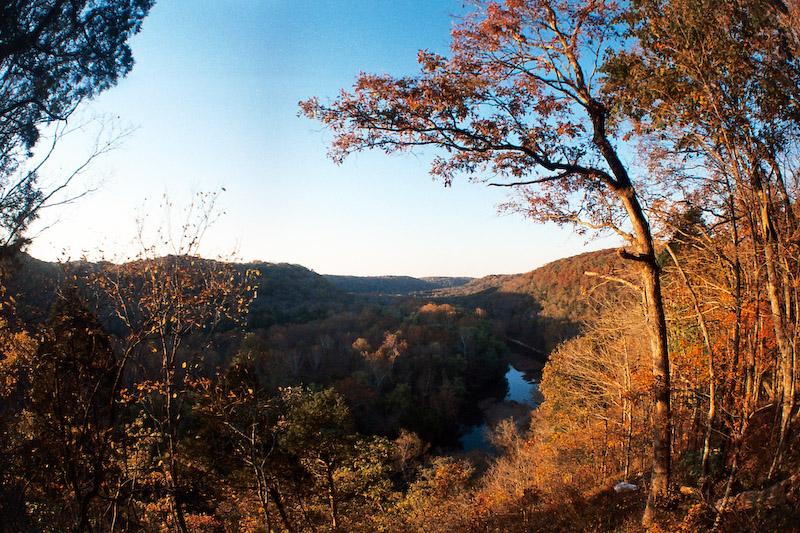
[(712, 393), (168, 365), (657, 327), (331, 495), (258, 473), (662, 423), (172, 480), (779, 317), (645, 257), (276, 497)]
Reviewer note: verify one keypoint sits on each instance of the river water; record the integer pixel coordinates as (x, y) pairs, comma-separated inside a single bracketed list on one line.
[(523, 396), (520, 388)]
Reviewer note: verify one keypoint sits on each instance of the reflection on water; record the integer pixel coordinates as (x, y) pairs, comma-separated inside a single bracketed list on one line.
[(521, 390), (475, 439)]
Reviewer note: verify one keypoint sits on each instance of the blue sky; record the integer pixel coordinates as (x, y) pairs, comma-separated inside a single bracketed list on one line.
[(213, 99)]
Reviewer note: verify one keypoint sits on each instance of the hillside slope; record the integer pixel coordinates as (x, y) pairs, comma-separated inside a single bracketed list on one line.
[(540, 308), (544, 306), (285, 293)]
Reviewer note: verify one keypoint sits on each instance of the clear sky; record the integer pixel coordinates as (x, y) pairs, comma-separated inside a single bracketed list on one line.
[(213, 98)]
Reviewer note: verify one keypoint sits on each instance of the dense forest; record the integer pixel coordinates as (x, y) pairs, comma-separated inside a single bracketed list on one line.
[(140, 361), (178, 393)]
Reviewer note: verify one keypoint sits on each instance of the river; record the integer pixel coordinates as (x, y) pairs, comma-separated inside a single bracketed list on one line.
[(522, 398)]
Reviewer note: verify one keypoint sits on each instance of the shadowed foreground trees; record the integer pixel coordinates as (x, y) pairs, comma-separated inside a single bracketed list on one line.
[(177, 420), (53, 56), (75, 381)]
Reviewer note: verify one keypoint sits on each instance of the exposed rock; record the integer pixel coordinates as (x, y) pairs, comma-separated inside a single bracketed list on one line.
[(624, 486)]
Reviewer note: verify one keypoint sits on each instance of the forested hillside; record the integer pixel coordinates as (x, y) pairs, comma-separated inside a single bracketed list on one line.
[(548, 305), (290, 293), (285, 293), (540, 308), (392, 285)]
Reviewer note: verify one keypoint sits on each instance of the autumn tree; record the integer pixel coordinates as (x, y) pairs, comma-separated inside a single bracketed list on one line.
[(439, 498), (53, 56), (716, 85), (247, 419), (518, 99), (17, 350), (74, 404), (165, 309), (600, 376)]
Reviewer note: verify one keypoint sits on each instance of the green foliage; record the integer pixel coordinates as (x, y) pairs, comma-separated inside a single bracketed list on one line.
[(319, 424), (290, 294)]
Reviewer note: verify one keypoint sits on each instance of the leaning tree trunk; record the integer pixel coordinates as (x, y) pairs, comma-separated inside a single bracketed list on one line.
[(662, 424), (277, 498), (644, 255), (331, 495)]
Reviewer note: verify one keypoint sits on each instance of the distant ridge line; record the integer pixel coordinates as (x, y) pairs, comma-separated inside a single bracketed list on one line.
[(394, 285)]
